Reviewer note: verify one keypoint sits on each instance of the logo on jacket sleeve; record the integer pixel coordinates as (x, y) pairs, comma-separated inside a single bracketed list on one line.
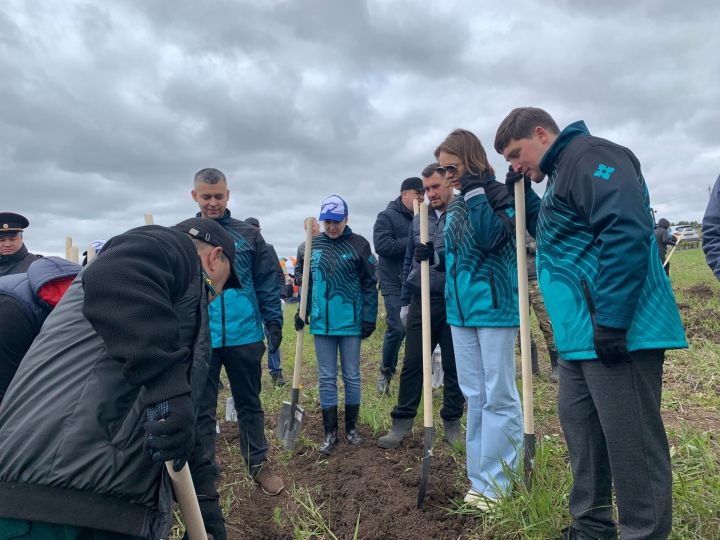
[(604, 171)]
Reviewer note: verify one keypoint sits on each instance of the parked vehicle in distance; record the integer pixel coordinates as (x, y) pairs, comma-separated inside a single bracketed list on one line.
[(685, 232)]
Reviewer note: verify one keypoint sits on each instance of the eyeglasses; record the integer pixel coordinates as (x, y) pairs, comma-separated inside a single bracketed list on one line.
[(452, 169)]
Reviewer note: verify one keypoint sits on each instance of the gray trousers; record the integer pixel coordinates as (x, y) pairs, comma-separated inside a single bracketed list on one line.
[(615, 436)]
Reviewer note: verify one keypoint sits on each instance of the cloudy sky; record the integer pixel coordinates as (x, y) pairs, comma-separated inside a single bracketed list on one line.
[(107, 109)]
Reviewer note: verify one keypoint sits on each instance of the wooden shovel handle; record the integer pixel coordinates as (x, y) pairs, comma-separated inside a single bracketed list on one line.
[(524, 308), (303, 301)]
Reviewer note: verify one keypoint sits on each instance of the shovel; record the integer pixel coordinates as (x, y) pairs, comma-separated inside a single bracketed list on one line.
[(291, 414), (667, 259), (427, 361), (525, 353)]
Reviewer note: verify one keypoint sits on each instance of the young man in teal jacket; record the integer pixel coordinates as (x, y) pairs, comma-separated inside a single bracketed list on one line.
[(236, 325), (613, 313)]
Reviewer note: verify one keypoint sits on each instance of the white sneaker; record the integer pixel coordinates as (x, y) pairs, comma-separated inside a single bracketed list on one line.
[(480, 501)]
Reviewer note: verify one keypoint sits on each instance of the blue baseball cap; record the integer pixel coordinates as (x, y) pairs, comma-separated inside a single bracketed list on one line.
[(333, 208)]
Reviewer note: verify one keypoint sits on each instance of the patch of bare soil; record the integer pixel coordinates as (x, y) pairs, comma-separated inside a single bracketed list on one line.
[(379, 485), (700, 323)]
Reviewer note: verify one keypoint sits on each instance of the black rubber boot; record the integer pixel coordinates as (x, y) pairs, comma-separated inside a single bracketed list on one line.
[(331, 425), (453, 432), (351, 432), (401, 427)]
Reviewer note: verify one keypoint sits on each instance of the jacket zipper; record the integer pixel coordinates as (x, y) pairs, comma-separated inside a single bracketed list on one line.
[(222, 312), (493, 291), (454, 268), (589, 300), (327, 288)]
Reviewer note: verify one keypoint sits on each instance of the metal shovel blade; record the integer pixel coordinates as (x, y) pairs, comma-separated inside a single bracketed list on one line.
[(425, 471), (290, 421)]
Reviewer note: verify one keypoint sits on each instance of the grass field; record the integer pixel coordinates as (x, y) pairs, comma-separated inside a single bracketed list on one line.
[(320, 501)]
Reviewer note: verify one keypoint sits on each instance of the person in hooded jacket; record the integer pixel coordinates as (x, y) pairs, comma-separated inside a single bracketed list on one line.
[(481, 298), (613, 314), (342, 307), (108, 391), (663, 239), (14, 256), (390, 238), (25, 302)]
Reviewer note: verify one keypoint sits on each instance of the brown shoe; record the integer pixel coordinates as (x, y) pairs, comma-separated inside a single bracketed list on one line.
[(270, 483)]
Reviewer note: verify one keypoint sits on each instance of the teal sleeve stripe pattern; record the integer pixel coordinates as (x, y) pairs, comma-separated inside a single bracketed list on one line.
[(481, 284)]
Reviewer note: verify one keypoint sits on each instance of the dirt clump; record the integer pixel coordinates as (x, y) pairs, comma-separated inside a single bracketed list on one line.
[(380, 486)]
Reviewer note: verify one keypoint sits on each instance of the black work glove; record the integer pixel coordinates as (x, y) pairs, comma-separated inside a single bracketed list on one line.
[(299, 323), (425, 252), (512, 177), (611, 345), (367, 329), (171, 430), (468, 182), (274, 335)]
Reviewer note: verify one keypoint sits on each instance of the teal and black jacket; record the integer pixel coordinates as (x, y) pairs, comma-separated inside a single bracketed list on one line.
[(481, 270), (342, 289), (597, 259), (236, 318)]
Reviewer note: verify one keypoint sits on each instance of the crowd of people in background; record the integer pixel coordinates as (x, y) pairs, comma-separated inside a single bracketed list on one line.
[(106, 372)]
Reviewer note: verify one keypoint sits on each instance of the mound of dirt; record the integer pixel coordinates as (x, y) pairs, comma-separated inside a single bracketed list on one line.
[(701, 290), (380, 486)]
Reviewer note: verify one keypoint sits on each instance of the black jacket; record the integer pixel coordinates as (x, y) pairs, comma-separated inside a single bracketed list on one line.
[(390, 238), (130, 331), (411, 268), (663, 238), (18, 262)]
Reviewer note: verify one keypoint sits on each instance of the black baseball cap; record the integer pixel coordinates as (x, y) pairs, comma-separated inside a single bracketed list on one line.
[(413, 183), (211, 232)]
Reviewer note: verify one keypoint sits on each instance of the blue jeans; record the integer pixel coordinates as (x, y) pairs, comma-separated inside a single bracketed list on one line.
[(394, 334), (326, 349), (485, 361), (273, 358)]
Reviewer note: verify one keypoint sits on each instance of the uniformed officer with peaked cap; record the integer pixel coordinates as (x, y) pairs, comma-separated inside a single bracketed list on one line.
[(14, 256)]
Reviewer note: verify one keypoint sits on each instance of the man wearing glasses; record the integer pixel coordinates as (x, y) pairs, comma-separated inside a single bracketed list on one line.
[(14, 256)]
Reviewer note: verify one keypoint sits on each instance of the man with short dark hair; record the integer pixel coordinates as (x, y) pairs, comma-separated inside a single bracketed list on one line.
[(108, 391), (390, 237), (605, 291), (14, 256), (236, 326), (440, 194), (274, 363)]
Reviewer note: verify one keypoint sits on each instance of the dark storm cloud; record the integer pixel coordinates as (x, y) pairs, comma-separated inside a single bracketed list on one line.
[(109, 109)]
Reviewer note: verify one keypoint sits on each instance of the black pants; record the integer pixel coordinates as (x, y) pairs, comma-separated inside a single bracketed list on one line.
[(244, 368), (615, 436), (411, 376)]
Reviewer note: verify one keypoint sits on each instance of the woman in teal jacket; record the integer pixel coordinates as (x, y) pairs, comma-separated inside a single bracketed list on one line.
[(343, 310), (481, 297)]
